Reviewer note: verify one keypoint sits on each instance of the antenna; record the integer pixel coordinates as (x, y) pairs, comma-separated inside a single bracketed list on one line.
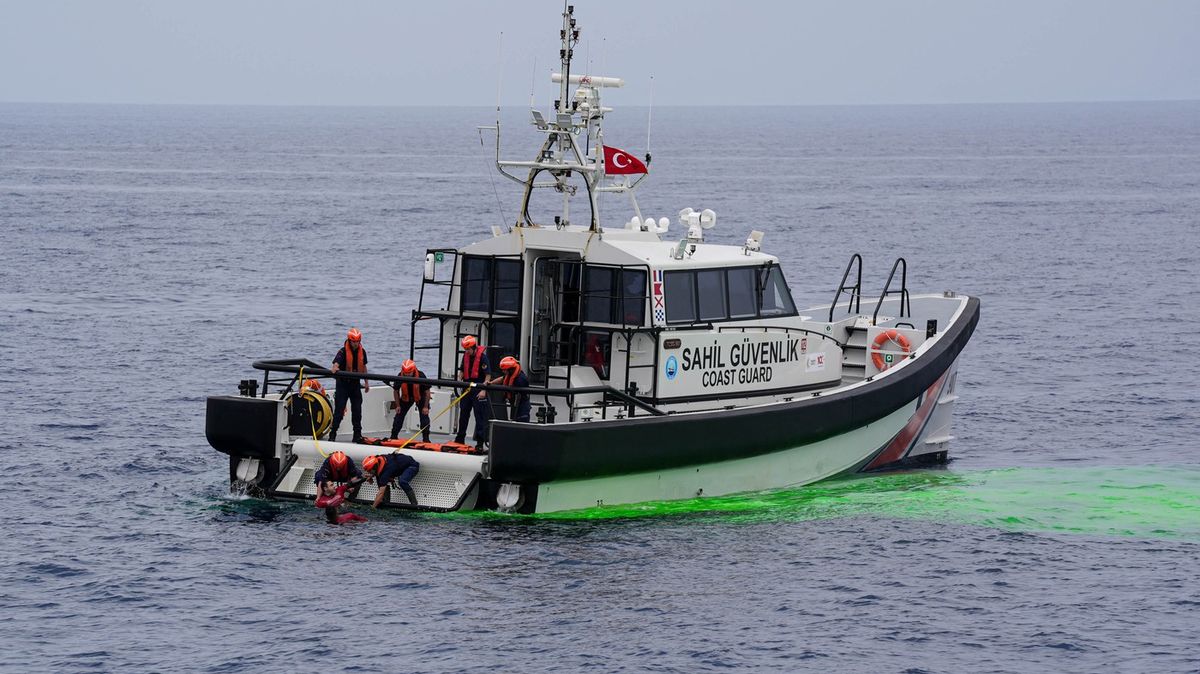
[(569, 36), (532, 77), (649, 118), (499, 78), (499, 73)]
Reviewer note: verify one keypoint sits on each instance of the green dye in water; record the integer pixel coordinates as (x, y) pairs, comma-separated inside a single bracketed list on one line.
[(1141, 501)]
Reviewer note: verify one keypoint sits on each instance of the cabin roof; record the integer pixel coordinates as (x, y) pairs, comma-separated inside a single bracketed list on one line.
[(620, 246)]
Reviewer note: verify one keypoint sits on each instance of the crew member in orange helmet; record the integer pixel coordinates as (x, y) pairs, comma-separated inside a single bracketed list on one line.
[(514, 376), (388, 468), (336, 470), (474, 370), (407, 394), (352, 357)]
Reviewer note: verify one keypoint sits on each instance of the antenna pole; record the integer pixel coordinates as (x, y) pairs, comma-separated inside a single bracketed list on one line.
[(569, 36), (532, 77), (499, 73), (649, 117)]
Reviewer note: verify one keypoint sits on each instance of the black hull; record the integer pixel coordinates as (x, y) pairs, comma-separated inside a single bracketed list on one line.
[(535, 453)]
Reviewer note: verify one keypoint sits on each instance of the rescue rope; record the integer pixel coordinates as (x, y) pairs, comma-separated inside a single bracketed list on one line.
[(449, 407), (311, 422)]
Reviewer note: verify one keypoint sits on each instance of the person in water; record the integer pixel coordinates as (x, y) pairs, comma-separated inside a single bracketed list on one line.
[(389, 468), (406, 395), (512, 375), (336, 480), (352, 357)]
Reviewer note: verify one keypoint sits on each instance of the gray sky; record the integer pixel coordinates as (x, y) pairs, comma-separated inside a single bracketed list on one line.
[(699, 52)]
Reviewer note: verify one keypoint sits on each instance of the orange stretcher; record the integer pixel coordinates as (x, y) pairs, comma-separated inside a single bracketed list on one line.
[(449, 447)]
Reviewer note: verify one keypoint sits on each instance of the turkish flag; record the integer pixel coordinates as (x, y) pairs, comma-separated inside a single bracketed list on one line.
[(620, 162)]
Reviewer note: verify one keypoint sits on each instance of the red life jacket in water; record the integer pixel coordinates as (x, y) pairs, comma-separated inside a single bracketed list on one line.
[(470, 364)]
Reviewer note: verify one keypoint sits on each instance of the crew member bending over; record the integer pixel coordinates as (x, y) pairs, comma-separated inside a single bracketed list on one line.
[(386, 468), (352, 357), (406, 395), (474, 370), (512, 375)]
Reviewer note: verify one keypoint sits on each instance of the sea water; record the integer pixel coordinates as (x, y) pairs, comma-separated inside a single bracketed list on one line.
[(149, 254)]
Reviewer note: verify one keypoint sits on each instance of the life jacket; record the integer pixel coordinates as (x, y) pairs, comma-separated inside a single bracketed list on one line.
[(411, 392), (510, 377), (354, 363), (470, 364)]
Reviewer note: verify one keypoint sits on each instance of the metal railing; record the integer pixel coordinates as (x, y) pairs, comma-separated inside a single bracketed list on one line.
[(905, 305), (855, 290), (298, 366)]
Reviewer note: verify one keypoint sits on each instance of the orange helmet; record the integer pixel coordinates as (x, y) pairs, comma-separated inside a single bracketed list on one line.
[(408, 368), (373, 463), (469, 342), (314, 385), (354, 335), (338, 460), (509, 363)]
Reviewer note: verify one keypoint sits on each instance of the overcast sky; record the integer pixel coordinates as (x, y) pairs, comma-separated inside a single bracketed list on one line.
[(330, 52)]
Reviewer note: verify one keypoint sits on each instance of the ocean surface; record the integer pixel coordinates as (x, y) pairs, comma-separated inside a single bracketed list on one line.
[(149, 254)]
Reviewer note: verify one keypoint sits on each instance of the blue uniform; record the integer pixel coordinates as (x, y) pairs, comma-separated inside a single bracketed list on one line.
[(475, 368), (399, 467), (519, 402), (348, 390), (412, 395)]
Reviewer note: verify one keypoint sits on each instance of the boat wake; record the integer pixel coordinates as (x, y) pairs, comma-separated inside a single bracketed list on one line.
[(1141, 502)]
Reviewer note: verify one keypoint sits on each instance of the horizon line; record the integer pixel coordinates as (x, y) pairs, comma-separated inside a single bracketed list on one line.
[(673, 106)]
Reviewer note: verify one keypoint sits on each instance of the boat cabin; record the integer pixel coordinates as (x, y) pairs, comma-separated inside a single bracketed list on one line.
[(673, 324)]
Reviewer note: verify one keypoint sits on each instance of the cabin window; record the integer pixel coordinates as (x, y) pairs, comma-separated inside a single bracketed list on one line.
[(491, 285), (680, 288), (743, 298), (710, 289), (633, 297), (612, 295), (596, 351), (502, 335), (737, 293), (598, 283), (477, 284), (508, 286), (776, 299)]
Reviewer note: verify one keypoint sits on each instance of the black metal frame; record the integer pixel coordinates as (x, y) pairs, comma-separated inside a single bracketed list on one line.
[(854, 290), (298, 365), (905, 305), (455, 284)]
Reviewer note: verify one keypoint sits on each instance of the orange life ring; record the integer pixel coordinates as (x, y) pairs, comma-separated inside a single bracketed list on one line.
[(891, 335)]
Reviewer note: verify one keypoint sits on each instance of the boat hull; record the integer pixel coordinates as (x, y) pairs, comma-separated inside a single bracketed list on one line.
[(776, 444)]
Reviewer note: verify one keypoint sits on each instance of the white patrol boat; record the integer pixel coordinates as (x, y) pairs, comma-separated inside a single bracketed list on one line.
[(661, 366)]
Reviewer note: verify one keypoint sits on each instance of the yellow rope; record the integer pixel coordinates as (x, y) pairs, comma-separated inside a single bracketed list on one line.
[(439, 416), (311, 422), (317, 444)]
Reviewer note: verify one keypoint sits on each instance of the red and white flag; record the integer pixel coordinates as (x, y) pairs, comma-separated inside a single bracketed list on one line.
[(620, 162)]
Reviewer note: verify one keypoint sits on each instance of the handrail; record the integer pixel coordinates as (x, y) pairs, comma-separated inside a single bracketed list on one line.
[(294, 365), (903, 291), (855, 290)]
